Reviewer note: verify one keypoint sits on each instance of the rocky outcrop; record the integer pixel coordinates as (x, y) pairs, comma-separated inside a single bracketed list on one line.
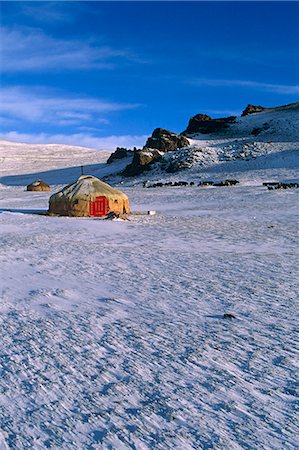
[(160, 142), (142, 161), (201, 123), (166, 141), (119, 153), (38, 185), (258, 130), (251, 109)]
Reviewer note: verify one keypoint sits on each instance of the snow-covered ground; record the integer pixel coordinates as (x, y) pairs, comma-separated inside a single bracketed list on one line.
[(112, 334)]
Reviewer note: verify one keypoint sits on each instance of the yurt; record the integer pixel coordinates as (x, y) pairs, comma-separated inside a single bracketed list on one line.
[(88, 197), (38, 185)]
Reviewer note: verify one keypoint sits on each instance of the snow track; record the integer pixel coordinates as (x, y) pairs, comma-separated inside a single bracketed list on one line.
[(112, 334)]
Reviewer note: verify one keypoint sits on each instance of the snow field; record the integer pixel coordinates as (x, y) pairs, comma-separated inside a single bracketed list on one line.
[(112, 333)]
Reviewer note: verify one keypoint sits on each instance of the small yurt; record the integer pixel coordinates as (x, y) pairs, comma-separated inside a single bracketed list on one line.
[(38, 185), (88, 197)]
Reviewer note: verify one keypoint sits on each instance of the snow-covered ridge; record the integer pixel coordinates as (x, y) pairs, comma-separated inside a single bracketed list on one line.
[(21, 158), (273, 133), (280, 123)]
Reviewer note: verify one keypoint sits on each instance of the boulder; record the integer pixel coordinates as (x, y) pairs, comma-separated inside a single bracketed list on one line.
[(166, 141), (142, 161), (38, 185), (251, 109), (119, 153), (258, 130), (201, 123), (229, 316)]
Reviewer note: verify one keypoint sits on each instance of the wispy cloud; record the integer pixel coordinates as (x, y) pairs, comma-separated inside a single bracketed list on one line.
[(255, 85), (80, 139), (42, 105), (30, 49), (47, 11)]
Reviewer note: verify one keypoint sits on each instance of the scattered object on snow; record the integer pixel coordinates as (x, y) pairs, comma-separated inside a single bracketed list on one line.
[(206, 183), (278, 185), (229, 316), (168, 183), (88, 197), (226, 183), (38, 185), (271, 183), (116, 216), (143, 213)]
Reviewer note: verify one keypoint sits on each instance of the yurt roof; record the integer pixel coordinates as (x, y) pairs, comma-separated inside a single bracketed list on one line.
[(87, 184), (38, 183)]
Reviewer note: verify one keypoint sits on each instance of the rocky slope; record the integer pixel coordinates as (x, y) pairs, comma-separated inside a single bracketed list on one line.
[(211, 142)]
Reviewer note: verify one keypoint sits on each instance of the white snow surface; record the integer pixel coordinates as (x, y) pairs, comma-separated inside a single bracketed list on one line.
[(32, 158), (112, 334)]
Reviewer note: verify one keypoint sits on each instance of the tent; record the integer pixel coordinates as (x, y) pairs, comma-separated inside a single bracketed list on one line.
[(38, 185), (88, 197)]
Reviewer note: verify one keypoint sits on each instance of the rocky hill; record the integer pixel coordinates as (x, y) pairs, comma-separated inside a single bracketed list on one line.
[(209, 142), (258, 145)]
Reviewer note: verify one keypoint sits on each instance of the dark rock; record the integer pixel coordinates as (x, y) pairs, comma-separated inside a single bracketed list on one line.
[(226, 183), (119, 153), (251, 109), (230, 182), (180, 183), (142, 160), (272, 186), (258, 130), (170, 183), (201, 123), (271, 183), (229, 316), (166, 141), (206, 183)]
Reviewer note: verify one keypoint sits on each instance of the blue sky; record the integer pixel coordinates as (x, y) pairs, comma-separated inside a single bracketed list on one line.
[(104, 74)]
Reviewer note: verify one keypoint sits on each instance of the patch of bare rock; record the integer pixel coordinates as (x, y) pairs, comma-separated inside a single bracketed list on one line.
[(201, 123), (160, 142), (120, 153)]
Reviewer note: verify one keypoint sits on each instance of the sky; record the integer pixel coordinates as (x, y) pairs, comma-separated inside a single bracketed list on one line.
[(106, 74)]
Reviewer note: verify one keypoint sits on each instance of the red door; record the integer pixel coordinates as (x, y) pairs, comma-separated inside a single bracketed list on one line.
[(99, 207)]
